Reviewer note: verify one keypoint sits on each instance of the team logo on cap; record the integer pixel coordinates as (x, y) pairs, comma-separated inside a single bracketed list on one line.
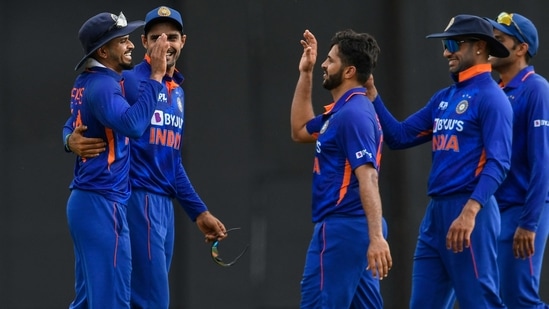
[(164, 11), (449, 24), (462, 107), (120, 20)]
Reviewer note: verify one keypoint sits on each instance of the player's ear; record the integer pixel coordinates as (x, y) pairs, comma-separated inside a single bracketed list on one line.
[(349, 71), (144, 41)]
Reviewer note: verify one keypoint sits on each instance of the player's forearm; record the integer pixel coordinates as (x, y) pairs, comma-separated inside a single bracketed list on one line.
[(302, 106), (371, 203)]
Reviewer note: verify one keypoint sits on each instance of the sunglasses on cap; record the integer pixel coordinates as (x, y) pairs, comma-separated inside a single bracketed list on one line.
[(453, 45), (506, 19)]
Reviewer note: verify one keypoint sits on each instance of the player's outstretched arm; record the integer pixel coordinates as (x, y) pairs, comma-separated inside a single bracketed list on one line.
[(302, 106)]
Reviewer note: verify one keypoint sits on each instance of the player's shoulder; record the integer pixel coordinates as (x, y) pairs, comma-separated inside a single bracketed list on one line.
[(536, 80), (102, 81)]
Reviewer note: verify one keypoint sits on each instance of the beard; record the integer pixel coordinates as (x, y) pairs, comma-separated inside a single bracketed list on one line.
[(127, 66), (333, 81)]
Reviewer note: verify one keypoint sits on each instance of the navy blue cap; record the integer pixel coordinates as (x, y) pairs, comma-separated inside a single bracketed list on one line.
[(475, 27), (163, 13), (100, 29), (520, 27)]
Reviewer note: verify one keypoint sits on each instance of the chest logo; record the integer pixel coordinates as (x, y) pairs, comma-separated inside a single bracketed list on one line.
[(324, 126), (180, 104), (443, 105), (462, 107)]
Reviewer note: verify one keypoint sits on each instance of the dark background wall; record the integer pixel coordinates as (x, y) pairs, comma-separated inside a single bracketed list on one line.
[(240, 61)]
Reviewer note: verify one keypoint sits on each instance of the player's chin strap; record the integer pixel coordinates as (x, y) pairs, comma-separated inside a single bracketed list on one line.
[(215, 252)]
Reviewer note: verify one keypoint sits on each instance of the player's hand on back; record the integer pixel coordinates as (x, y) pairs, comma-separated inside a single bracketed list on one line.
[(85, 147)]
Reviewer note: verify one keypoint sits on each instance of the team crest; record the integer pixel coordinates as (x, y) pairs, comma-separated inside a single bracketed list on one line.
[(449, 24), (164, 11), (462, 107), (324, 126)]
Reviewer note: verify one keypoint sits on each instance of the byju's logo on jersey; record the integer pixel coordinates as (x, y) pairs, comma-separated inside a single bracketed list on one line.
[(157, 118), (161, 118), (362, 153), (541, 123)]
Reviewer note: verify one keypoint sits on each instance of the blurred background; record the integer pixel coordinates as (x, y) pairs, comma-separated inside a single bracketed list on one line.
[(241, 66)]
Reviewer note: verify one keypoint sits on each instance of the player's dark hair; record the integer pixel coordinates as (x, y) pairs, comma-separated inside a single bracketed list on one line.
[(359, 50)]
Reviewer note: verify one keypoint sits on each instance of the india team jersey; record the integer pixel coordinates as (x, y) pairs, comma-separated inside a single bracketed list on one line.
[(527, 183), (156, 164), (97, 101), (469, 124), (349, 135)]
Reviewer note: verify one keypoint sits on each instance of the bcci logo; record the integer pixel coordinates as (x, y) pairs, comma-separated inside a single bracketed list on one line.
[(325, 126), (462, 107)]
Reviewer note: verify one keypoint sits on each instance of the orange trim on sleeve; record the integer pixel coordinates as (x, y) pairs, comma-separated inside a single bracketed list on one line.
[(378, 155), (110, 141), (425, 133), (481, 163), (346, 181)]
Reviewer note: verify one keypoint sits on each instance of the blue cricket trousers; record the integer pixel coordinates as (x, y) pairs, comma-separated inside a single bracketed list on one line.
[(102, 254), (335, 275), (440, 276), (520, 278), (151, 221)]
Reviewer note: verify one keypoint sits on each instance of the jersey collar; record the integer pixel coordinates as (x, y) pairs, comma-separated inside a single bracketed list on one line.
[(335, 106), (519, 78)]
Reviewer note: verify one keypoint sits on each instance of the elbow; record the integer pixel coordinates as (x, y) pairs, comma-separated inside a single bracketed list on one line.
[(298, 137), (136, 131), (295, 137), (303, 138)]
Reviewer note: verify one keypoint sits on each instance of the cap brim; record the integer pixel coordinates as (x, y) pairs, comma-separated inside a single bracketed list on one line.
[(496, 48), (111, 35)]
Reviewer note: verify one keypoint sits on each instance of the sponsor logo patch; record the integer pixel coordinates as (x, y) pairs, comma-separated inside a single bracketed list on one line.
[(541, 123), (362, 153)]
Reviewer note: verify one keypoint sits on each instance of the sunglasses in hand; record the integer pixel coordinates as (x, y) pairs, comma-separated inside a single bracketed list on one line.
[(217, 257)]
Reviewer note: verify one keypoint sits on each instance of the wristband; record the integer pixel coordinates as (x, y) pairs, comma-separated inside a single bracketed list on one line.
[(67, 148)]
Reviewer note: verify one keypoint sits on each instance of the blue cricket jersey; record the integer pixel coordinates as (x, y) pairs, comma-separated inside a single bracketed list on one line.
[(349, 135), (156, 164), (527, 183), (97, 100), (470, 126)]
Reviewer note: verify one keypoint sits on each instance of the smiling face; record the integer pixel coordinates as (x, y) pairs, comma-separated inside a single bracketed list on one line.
[(463, 58), (175, 38), (117, 54)]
